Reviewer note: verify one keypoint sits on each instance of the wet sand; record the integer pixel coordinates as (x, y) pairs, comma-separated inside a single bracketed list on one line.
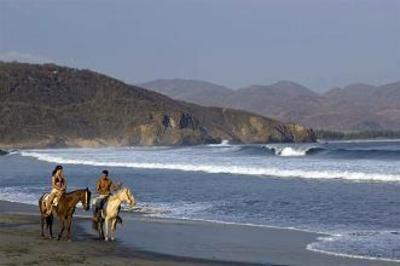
[(239, 243), (21, 244), (153, 241)]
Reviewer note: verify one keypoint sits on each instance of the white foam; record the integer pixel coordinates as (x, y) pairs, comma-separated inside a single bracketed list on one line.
[(18, 194), (224, 143), (353, 240), (176, 210), (311, 248), (228, 169), (289, 151)]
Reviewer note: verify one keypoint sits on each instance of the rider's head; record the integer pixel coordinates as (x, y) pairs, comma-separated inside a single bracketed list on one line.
[(58, 169), (105, 173)]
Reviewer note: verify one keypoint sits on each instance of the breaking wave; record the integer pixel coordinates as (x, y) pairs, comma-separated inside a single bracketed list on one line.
[(287, 151), (293, 151), (224, 143), (226, 168)]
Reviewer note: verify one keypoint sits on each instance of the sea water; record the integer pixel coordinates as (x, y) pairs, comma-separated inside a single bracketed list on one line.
[(349, 190)]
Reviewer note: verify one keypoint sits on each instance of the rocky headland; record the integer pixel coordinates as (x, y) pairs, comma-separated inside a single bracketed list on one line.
[(54, 106)]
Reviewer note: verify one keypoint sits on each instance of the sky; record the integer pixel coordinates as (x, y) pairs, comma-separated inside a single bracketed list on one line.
[(321, 44)]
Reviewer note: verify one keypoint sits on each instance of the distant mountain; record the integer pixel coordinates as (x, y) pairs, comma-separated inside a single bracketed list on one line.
[(52, 106), (287, 100), (353, 108), (195, 91)]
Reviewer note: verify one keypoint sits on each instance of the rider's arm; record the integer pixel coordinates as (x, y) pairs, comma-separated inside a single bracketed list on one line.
[(98, 186), (64, 184), (53, 182)]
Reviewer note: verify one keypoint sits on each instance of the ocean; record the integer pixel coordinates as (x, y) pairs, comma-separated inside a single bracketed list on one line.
[(348, 190)]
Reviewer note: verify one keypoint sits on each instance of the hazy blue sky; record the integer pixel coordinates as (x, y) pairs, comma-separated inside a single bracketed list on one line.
[(319, 43)]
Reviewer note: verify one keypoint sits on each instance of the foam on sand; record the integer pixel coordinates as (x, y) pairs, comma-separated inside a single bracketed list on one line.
[(370, 245)]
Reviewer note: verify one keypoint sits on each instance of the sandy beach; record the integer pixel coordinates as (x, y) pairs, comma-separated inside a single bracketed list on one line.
[(151, 241)]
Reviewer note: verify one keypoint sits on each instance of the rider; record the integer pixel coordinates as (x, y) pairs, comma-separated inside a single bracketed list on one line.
[(58, 186), (104, 186)]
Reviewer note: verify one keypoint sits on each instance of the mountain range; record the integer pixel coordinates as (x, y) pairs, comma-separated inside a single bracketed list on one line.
[(356, 107), (53, 106)]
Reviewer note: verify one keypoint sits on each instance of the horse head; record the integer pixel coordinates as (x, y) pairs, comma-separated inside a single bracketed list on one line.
[(127, 196)]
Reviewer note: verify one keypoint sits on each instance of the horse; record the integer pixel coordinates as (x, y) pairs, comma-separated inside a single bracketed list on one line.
[(109, 213), (64, 211)]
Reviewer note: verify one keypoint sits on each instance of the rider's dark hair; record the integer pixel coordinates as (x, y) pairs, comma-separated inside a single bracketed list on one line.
[(58, 167), (105, 172)]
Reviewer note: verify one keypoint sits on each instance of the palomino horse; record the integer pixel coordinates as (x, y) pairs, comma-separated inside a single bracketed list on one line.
[(110, 211), (64, 210)]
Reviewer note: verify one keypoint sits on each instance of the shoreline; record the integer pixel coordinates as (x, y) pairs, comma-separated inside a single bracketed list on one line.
[(174, 242)]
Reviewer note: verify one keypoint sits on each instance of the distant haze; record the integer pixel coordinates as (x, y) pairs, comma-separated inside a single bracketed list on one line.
[(319, 43)]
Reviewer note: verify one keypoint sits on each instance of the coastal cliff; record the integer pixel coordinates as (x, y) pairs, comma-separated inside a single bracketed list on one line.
[(53, 106)]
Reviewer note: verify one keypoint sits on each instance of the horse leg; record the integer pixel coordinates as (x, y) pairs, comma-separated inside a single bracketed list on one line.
[(106, 225), (42, 223), (50, 225), (101, 229), (113, 227), (62, 225), (69, 223)]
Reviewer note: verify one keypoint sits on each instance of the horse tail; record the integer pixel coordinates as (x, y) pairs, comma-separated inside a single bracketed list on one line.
[(40, 203)]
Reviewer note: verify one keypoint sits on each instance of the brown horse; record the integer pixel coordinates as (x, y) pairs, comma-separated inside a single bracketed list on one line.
[(64, 211)]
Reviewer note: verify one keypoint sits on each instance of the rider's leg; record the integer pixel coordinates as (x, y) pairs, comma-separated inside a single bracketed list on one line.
[(49, 202), (95, 208)]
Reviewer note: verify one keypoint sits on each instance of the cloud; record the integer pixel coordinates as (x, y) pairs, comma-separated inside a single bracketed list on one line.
[(24, 58)]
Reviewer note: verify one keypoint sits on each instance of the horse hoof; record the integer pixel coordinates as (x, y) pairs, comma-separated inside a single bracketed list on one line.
[(113, 239), (106, 239)]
